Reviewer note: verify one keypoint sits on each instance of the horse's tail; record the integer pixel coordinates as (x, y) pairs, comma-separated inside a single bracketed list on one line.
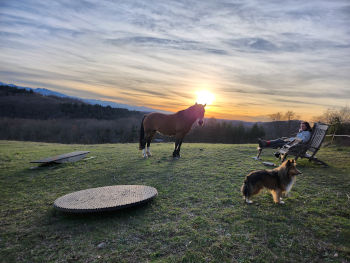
[(142, 135)]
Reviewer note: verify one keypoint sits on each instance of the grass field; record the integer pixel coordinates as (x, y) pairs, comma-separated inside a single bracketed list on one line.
[(198, 215)]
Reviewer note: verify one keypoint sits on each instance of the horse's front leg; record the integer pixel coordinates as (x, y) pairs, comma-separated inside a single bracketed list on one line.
[(178, 148), (178, 143)]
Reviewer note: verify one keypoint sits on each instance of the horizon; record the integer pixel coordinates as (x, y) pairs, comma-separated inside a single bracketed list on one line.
[(257, 60), (84, 100)]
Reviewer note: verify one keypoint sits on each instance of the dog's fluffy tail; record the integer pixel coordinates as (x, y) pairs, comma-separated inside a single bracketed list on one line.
[(245, 188)]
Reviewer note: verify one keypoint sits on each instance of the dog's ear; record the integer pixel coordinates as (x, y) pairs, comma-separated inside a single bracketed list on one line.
[(288, 163)]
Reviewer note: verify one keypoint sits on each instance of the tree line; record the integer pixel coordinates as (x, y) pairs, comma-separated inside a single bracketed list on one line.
[(81, 131), (216, 131), (26, 115)]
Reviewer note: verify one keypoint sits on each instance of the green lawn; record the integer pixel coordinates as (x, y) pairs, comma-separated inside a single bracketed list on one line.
[(198, 215)]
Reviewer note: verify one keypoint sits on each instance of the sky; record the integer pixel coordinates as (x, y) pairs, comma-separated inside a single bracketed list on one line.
[(256, 57)]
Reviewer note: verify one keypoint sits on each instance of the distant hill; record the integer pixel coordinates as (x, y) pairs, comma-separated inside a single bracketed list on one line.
[(123, 106), (47, 92), (18, 102)]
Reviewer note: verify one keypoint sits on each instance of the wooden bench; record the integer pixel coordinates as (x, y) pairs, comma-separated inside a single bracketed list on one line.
[(63, 158), (298, 149), (306, 150)]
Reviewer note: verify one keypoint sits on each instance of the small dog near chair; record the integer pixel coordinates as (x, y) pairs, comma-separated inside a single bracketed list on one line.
[(279, 180)]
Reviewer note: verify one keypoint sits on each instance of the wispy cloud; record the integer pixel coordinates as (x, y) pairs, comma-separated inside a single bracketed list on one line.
[(159, 53)]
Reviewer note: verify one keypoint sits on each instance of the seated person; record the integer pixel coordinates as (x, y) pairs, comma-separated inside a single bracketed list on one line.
[(303, 136)]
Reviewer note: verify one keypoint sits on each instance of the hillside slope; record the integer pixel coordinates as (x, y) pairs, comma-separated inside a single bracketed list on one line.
[(21, 103), (198, 216)]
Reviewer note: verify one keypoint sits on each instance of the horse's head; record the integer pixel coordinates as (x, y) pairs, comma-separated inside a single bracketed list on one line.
[(199, 110)]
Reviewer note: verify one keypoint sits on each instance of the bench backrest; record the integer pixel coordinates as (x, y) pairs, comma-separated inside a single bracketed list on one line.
[(318, 134)]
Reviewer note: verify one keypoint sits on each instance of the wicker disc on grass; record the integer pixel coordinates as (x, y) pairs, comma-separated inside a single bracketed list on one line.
[(106, 198)]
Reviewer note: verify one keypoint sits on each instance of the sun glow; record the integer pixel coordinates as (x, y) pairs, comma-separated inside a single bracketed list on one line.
[(205, 97)]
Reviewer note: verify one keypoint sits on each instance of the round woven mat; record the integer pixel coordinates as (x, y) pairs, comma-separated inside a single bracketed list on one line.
[(106, 198)]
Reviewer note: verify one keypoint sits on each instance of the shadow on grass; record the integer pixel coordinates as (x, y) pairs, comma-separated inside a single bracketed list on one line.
[(122, 214)]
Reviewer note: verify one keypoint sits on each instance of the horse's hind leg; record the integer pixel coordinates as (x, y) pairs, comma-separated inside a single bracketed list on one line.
[(142, 147), (144, 152), (143, 142), (149, 140)]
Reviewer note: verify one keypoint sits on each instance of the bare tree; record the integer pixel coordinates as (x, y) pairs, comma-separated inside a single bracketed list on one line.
[(290, 115), (332, 116), (339, 121), (276, 116), (345, 113)]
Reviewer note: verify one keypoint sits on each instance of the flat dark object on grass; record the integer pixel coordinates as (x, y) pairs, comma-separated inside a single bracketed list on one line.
[(268, 164), (64, 158), (107, 198)]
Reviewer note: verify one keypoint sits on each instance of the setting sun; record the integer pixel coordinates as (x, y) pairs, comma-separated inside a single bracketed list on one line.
[(205, 97)]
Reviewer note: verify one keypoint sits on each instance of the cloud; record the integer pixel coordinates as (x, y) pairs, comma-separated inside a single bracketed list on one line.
[(176, 44), (251, 44), (290, 52)]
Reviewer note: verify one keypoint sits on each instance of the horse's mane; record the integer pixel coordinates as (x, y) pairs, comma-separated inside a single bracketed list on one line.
[(183, 112)]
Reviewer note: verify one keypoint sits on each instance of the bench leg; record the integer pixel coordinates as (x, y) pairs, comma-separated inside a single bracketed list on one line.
[(283, 157), (318, 161)]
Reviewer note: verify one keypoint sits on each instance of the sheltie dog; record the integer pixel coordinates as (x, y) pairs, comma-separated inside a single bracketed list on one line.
[(279, 180)]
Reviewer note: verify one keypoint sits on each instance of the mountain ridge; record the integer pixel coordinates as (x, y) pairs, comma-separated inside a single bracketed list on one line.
[(47, 92)]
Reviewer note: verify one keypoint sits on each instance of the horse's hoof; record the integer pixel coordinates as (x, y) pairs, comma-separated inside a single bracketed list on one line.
[(149, 154)]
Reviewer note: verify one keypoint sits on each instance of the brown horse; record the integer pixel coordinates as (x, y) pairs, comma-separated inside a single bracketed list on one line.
[(177, 124)]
